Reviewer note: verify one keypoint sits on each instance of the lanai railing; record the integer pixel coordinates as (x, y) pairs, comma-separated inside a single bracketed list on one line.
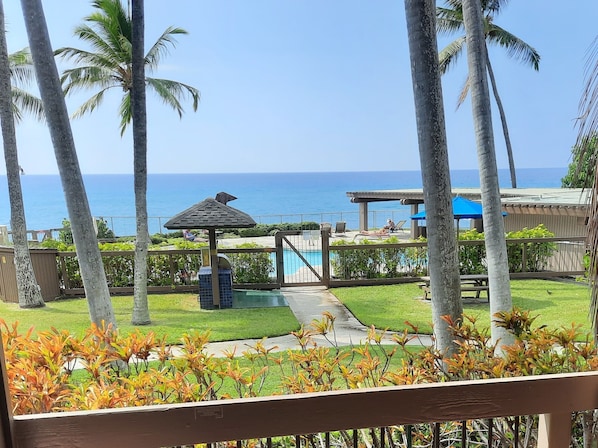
[(553, 397)]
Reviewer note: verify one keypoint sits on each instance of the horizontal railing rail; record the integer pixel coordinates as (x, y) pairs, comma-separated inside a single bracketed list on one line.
[(553, 397)]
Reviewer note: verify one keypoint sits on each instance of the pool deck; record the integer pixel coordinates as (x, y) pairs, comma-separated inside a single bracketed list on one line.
[(268, 241)]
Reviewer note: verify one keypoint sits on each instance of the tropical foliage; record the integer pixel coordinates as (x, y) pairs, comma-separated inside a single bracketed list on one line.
[(581, 171), (107, 66), (21, 73), (116, 371)]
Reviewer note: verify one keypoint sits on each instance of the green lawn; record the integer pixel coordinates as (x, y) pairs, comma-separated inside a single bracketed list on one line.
[(171, 314), (556, 303)]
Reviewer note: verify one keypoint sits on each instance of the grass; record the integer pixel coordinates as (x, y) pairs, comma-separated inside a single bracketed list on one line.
[(171, 314), (556, 303)]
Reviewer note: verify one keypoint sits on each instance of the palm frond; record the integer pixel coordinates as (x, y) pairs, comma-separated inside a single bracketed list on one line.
[(21, 67), (493, 6), (103, 52), (160, 47), (91, 104), (449, 20), (171, 92), (587, 122), (82, 78), (449, 55), (26, 102), (111, 22), (464, 92), (516, 48), (126, 113)]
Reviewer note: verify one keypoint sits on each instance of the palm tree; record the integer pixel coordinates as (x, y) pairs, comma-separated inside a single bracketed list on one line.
[(450, 20), (109, 33), (88, 252), (496, 247), (586, 144), (140, 306), (13, 101), (442, 244)]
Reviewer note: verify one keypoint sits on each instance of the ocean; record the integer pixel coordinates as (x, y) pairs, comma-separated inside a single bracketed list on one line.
[(267, 197)]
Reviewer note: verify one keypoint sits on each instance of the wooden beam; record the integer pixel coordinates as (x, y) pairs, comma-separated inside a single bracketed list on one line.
[(241, 419)]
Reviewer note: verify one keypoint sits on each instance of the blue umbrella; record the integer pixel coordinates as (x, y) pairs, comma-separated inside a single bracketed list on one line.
[(462, 209)]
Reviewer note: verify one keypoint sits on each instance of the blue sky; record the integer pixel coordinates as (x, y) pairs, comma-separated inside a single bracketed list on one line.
[(316, 85)]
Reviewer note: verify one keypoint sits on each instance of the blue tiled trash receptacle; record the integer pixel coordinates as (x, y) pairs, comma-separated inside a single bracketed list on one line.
[(206, 297)]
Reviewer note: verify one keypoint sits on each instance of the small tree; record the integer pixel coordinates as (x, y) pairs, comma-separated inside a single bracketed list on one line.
[(583, 166)]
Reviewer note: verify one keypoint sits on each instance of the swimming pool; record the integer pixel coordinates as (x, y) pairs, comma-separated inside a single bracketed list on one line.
[(292, 262)]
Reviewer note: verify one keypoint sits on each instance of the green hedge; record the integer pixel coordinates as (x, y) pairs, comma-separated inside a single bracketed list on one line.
[(413, 261), (389, 262), (246, 268), (271, 229)]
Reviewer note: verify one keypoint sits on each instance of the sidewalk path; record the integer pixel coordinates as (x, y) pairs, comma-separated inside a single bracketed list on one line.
[(308, 304)]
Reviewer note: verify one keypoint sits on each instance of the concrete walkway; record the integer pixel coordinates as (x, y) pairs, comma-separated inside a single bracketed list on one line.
[(308, 304)]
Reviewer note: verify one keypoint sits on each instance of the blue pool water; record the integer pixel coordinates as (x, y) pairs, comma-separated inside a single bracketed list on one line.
[(292, 262)]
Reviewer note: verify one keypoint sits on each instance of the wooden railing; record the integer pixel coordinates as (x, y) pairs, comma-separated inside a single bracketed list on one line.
[(553, 397)]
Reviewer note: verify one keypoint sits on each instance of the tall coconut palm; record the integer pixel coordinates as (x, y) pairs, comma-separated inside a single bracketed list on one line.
[(48, 81), (429, 110), (450, 20), (496, 247), (13, 101), (109, 32), (140, 305)]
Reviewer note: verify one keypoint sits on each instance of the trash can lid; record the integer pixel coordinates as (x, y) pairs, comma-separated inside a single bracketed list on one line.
[(223, 262)]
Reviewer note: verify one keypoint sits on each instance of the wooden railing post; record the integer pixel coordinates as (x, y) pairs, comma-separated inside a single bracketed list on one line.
[(554, 430), (279, 258), (325, 236)]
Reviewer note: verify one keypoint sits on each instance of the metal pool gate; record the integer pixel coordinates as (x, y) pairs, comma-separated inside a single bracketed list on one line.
[(302, 258)]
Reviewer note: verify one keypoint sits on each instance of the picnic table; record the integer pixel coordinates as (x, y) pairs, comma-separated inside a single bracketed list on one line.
[(476, 283)]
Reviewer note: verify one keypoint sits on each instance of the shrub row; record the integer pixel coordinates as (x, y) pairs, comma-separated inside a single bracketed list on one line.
[(271, 229), (165, 269), (395, 262)]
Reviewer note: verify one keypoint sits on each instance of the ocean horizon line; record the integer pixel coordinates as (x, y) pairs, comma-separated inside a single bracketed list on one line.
[(291, 172)]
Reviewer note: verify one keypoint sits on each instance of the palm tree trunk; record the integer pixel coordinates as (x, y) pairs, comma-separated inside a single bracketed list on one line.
[(140, 304), (496, 248), (442, 245), (505, 127), (28, 290), (86, 243)]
